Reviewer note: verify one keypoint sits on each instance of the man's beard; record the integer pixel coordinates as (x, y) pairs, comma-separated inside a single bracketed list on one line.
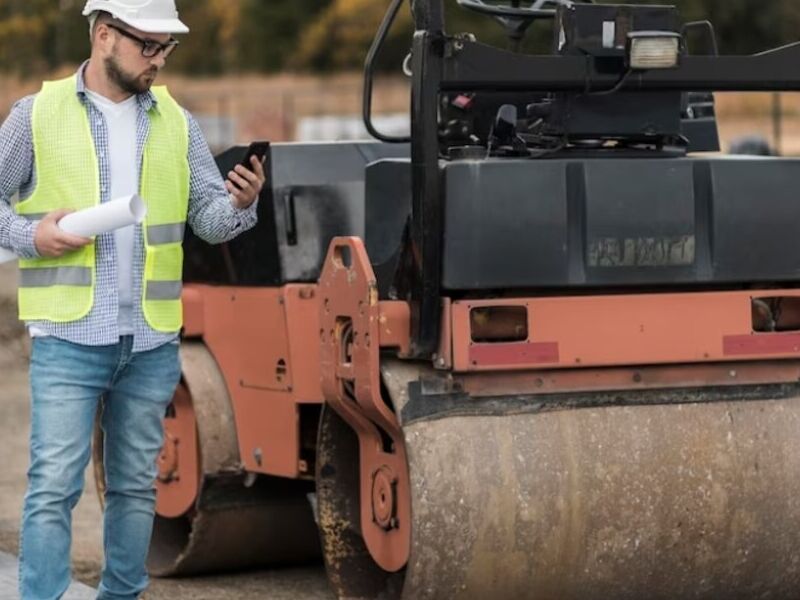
[(129, 83)]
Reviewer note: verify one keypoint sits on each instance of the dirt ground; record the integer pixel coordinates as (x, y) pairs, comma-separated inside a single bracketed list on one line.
[(285, 584)]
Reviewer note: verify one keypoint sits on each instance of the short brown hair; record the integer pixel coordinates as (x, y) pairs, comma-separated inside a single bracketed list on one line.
[(98, 18)]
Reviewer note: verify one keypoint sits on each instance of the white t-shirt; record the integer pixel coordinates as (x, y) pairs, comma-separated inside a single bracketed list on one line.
[(121, 119)]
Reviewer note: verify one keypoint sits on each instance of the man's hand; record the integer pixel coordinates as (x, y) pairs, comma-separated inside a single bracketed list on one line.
[(51, 241), (245, 185)]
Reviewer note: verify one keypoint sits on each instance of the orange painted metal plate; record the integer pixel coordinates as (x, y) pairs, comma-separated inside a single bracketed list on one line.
[(394, 326), (354, 326), (650, 377), (178, 463), (266, 342), (260, 345), (444, 354), (193, 315), (302, 322), (624, 330)]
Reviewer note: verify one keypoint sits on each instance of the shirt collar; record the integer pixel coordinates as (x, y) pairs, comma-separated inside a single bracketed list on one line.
[(147, 100)]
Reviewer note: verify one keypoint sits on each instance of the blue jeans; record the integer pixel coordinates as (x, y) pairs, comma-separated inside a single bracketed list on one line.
[(67, 382)]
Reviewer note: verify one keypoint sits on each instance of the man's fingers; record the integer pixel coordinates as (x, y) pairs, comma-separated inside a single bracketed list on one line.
[(71, 241), (256, 177), (246, 173), (258, 172), (244, 193), (76, 245), (234, 191), (239, 180), (258, 167)]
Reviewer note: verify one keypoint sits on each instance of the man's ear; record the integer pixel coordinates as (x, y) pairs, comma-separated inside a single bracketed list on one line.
[(101, 33)]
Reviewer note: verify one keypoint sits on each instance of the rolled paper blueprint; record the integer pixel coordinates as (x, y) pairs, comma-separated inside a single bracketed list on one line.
[(106, 217)]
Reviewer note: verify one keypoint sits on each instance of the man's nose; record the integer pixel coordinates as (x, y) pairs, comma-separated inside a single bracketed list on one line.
[(158, 61)]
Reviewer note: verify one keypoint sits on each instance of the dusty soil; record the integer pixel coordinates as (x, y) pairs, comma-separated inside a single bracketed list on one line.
[(295, 584)]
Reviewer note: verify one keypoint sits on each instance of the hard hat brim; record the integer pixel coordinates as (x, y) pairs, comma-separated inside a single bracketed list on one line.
[(156, 25)]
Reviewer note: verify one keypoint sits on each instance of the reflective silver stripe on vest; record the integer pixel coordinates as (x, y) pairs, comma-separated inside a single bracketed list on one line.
[(171, 233), (164, 290), (37, 278), (35, 216)]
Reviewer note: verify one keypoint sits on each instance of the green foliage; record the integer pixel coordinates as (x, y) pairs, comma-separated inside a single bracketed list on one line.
[(34, 36), (745, 26), (200, 51), (272, 31), (341, 36), (235, 36)]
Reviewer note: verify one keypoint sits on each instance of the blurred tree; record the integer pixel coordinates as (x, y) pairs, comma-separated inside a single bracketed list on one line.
[(201, 51), (341, 35), (26, 34), (70, 33), (227, 16), (38, 36), (271, 31), (745, 26)]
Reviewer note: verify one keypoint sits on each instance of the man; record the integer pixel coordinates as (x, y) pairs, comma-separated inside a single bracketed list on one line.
[(105, 313)]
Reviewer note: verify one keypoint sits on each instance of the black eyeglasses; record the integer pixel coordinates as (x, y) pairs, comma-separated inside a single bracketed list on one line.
[(150, 48)]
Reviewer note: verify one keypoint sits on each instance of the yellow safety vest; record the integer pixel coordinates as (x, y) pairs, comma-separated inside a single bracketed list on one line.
[(67, 176)]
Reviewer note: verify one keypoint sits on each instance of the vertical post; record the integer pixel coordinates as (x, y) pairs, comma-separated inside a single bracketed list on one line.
[(425, 252), (61, 33), (777, 123), (287, 114), (428, 15), (221, 127)]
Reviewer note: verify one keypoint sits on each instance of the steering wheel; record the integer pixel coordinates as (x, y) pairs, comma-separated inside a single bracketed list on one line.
[(515, 12), (514, 18)]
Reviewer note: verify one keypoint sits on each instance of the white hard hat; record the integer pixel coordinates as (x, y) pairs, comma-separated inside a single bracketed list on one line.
[(150, 16)]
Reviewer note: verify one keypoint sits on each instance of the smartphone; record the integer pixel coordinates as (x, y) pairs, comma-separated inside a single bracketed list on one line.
[(258, 149)]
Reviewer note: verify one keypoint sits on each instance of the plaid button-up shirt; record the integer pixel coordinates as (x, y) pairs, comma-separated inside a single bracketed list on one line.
[(211, 216)]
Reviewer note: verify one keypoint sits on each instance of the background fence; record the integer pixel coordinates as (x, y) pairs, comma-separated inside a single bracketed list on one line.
[(288, 108)]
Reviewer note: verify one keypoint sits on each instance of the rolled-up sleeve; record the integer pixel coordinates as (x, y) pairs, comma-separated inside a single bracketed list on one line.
[(212, 215), (16, 169)]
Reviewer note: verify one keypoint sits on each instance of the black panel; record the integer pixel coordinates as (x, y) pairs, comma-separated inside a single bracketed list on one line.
[(581, 29), (513, 224), (309, 217), (757, 222), (314, 192), (637, 229), (250, 259), (325, 185), (388, 210), (505, 222), (612, 223), (633, 115)]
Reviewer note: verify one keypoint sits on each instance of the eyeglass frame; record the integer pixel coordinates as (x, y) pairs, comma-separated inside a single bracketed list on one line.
[(167, 48)]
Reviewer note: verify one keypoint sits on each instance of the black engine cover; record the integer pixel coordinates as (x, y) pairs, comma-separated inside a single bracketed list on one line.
[(604, 223)]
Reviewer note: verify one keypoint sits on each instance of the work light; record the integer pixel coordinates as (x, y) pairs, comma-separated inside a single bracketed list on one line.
[(653, 50)]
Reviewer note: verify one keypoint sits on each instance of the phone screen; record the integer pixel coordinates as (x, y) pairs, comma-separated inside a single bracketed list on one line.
[(258, 149)]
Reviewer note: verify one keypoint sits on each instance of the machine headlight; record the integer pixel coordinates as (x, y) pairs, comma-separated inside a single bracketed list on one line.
[(653, 50)]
